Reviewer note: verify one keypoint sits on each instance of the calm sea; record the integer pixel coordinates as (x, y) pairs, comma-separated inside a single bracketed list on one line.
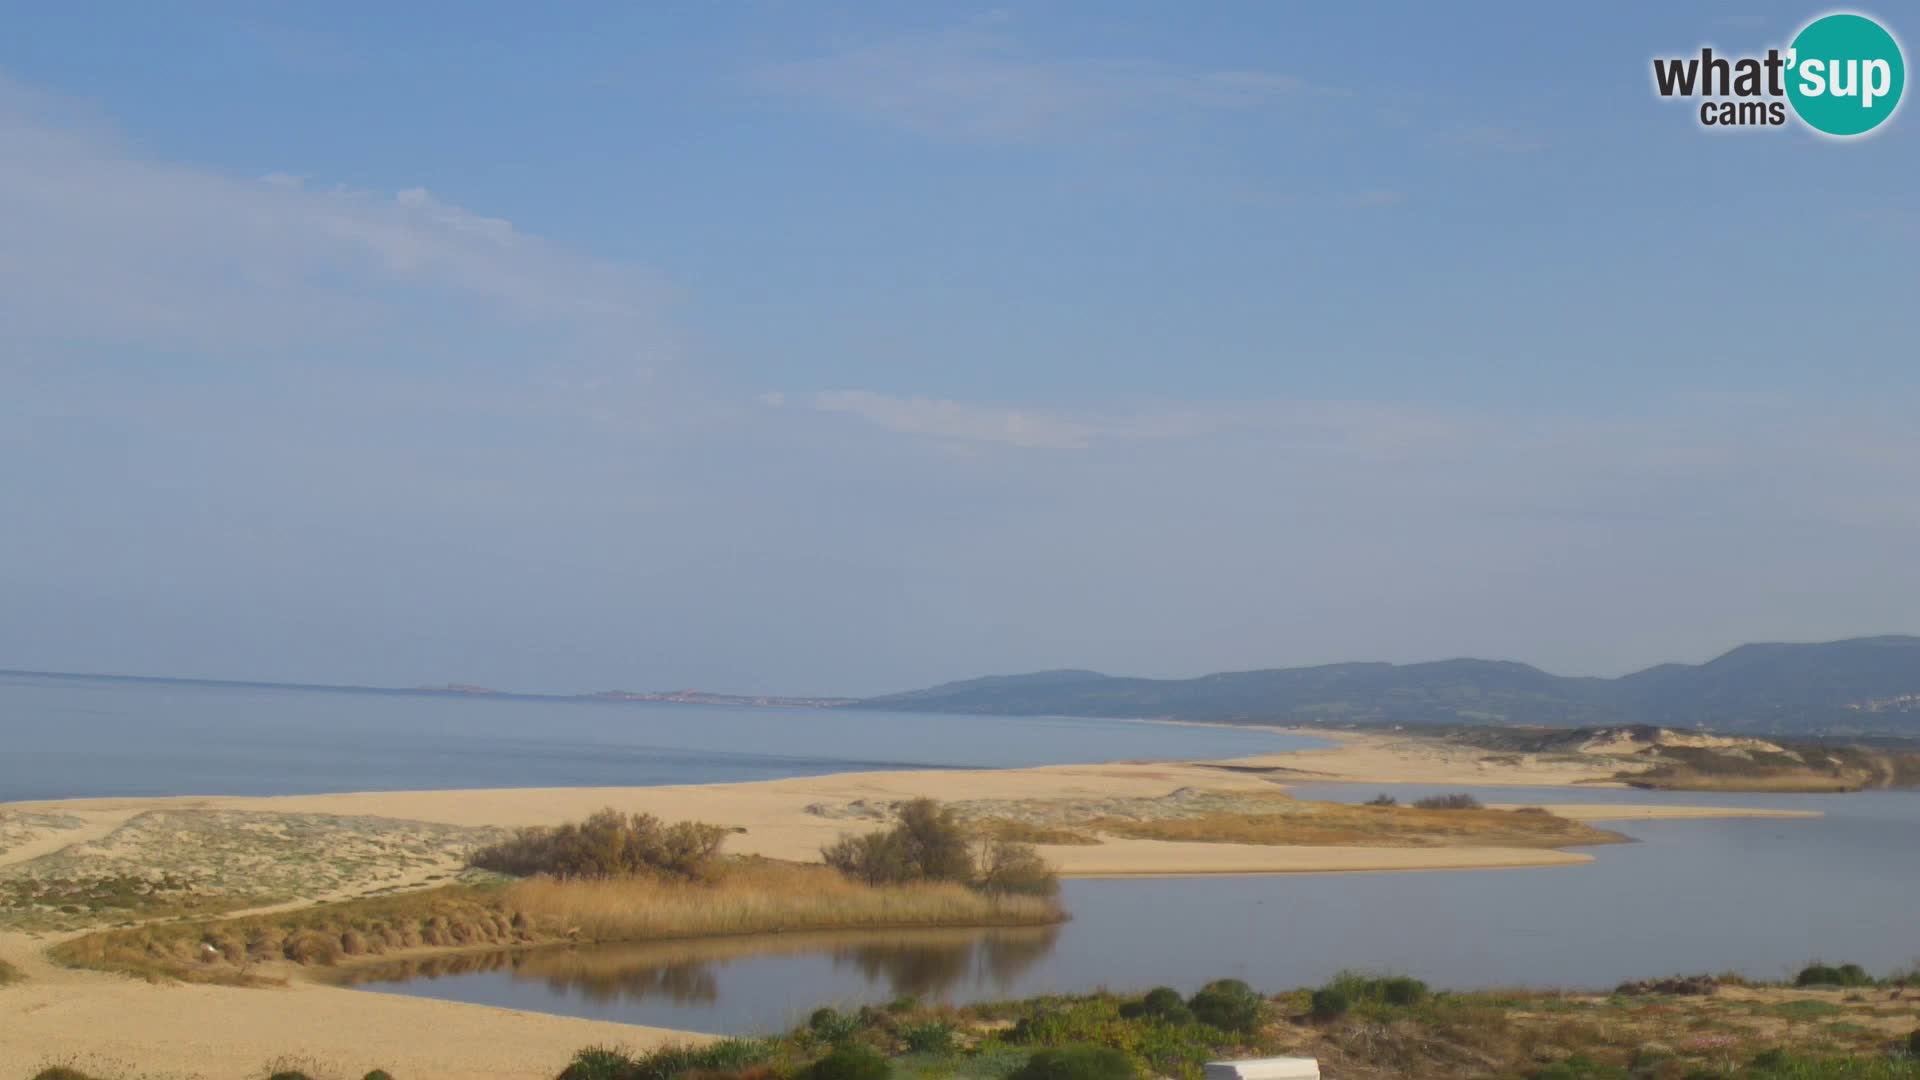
[(75, 737)]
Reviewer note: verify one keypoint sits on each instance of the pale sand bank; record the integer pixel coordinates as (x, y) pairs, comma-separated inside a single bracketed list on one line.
[(132, 1028), (777, 822)]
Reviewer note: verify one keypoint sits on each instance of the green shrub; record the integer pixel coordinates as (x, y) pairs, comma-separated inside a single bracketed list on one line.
[(1817, 974), (1913, 1043), (1161, 1003), (930, 844), (1077, 1063), (1383, 799), (1008, 868), (833, 1026), (597, 1063), (289, 1074), (928, 1037), (608, 844), (1398, 991), (60, 1072), (727, 1055), (848, 1063), (378, 1074), (1229, 1005), (1330, 1003)]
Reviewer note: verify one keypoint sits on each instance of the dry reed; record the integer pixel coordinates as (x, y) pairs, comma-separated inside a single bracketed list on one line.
[(751, 899)]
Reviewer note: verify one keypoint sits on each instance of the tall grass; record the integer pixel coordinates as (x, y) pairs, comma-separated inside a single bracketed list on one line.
[(746, 897), (759, 898)]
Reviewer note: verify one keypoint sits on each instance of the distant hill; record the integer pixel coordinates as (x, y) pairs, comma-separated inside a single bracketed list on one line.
[(1859, 686)]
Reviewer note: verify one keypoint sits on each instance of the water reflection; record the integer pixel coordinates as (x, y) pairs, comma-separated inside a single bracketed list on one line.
[(921, 963), (932, 968)]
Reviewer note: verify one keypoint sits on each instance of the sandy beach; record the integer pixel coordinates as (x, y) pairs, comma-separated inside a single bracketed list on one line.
[(162, 1030)]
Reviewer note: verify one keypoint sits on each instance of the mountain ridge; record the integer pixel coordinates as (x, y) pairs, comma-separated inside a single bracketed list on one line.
[(1865, 685)]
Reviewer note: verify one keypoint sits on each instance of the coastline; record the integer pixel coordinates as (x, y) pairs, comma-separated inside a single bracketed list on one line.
[(58, 1014), (791, 819)]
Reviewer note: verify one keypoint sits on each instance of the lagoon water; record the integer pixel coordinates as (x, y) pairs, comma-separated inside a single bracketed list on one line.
[(1753, 895), (73, 737)]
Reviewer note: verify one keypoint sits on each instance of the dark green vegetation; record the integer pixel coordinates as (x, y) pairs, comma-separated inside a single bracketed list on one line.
[(929, 843), (1076, 1063), (728, 1056), (1359, 1027), (608, 844), (1864, 685)]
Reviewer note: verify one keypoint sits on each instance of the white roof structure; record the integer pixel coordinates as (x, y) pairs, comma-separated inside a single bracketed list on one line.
[(1276, 1068)]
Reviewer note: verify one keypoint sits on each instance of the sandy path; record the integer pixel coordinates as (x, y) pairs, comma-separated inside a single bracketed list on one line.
[(98, 824)]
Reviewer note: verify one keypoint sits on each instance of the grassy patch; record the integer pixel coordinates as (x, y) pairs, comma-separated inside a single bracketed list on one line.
[(1025, 832), (1286, 821), (746, 897), (219, 861)]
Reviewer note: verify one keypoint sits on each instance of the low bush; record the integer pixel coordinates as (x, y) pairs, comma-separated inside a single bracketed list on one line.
[(668, 1062), (378, 1074), (848, 1063), (1162, 1003), (608, 844), (1077, 1063), (1383, 799), (1330, 1003), (1399, 991), (1457, 801), (1818, 974), (1010, 868), (833, 1026), (1230, 1005), (930, 844), (928, 1037)]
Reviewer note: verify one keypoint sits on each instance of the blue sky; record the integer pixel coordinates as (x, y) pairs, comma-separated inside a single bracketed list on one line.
[(843, 348)]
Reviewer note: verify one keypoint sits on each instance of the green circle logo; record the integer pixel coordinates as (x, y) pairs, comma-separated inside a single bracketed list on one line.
[(1845, 74)]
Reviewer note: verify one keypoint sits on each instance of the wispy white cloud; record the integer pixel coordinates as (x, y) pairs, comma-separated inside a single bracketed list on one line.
[(105, 247), (941, 419), (971, 84), (1365, 428)]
